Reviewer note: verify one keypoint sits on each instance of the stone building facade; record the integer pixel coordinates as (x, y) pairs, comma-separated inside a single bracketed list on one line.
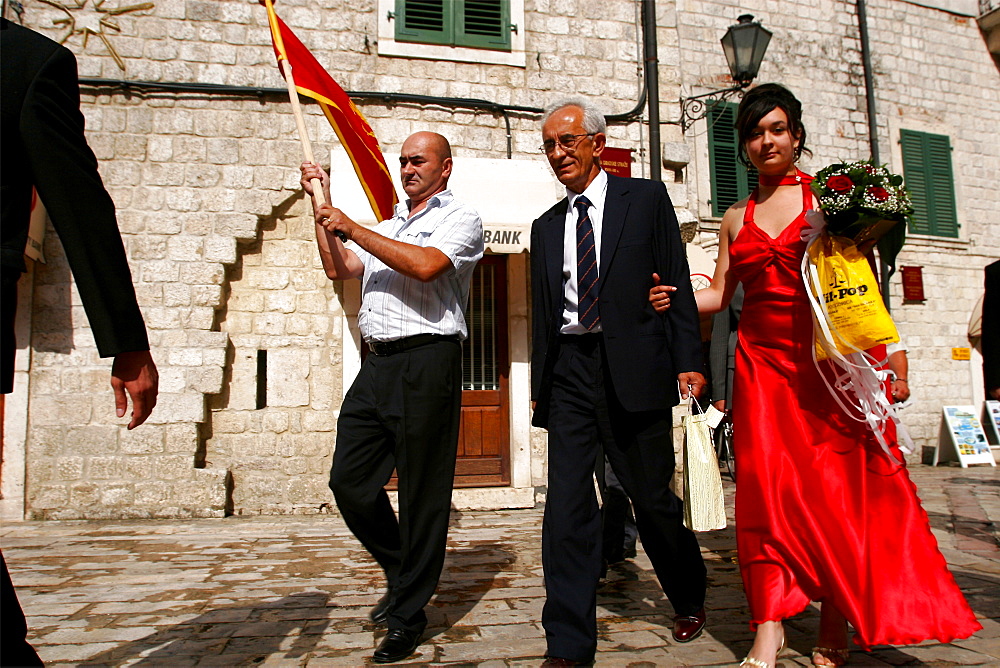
[(255, 346)]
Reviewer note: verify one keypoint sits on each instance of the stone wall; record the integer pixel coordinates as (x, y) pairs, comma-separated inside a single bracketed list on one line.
[(222, 249)]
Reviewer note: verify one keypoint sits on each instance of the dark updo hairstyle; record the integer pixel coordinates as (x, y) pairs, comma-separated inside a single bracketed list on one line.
[(757, 104)]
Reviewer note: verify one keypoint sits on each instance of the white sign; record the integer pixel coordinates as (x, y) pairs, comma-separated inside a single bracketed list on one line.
[(991, 421), (962, 438)]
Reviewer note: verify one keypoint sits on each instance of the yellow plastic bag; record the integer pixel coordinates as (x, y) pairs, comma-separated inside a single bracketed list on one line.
[(856, 318)]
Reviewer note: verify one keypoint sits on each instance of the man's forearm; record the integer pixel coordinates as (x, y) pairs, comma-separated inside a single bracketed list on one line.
[(423, 264), (337, 260)]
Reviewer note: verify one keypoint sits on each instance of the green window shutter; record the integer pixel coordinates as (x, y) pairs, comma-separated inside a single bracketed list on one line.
[(942, 186), (483, 24), (425, 21), (928, 174), (731, 181), (915, 177)]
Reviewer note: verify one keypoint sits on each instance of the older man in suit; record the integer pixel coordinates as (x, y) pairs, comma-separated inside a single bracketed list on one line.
[(605, 370)]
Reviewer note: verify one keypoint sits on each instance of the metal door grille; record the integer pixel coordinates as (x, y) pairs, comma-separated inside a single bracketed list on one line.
[(479, 353)]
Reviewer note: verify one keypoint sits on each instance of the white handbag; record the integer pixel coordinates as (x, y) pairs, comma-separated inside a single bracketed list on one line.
[(704, 502)]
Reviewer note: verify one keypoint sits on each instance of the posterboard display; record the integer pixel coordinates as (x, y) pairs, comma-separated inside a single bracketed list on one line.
[(962, 438), (991, 422)]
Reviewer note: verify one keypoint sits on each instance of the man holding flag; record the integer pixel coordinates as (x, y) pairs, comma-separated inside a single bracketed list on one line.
[(403, 409)]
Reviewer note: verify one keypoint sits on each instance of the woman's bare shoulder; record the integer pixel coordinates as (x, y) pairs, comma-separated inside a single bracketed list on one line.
[(732, 219)]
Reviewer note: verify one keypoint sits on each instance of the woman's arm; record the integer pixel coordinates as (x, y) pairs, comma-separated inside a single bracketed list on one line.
[(715, 297)]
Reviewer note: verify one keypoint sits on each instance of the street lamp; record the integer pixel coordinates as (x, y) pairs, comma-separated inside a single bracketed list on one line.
[(744, 45)]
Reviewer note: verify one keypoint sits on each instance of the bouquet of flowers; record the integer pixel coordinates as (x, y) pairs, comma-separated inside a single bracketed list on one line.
[(861, 201)]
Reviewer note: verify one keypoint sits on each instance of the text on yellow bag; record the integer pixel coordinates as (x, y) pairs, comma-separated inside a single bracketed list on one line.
[(856, 316)]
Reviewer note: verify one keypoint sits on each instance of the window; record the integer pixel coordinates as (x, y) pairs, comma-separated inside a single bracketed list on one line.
[(469, 31), (480, 369), (929, 178), (481, 24), (731, 180)]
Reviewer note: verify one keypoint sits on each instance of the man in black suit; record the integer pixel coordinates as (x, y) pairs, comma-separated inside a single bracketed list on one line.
[(42, 134), (991, 331), (605, 369)]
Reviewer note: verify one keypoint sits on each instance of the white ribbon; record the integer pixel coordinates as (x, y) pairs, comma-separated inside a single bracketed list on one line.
[(858, 385)]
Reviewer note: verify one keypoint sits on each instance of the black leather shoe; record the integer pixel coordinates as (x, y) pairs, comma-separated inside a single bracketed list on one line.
[(557, 661), (380, 612), (689, 627), (397, 645)]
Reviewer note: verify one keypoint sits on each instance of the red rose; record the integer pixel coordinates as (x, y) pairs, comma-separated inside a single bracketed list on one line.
[(878, 193), (840, 184)]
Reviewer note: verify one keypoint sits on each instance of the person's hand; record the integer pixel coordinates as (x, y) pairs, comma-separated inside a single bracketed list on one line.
[(334, 220), (720, 405), (659, 295), (900, 390), (691, 382), (135, 374), (310, 171), (995, 393)]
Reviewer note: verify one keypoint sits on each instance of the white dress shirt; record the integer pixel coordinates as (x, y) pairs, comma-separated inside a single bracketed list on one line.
[(395, 306), (597, 193)]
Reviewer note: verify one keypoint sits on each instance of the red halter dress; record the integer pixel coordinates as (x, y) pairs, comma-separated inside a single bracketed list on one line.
[(822, 514)]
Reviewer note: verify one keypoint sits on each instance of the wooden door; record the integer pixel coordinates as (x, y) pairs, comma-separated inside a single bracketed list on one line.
[(484, 436)]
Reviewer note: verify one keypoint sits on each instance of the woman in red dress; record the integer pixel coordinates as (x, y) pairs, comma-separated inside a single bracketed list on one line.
[(822, 513)]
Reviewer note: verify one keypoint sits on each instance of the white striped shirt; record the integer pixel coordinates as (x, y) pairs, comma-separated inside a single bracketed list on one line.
[(395, 306)]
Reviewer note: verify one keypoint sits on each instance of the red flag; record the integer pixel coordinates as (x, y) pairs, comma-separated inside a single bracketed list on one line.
[(350, 125)]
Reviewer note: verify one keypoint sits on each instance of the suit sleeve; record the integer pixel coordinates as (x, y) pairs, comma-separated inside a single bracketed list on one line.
[(682, 316), (64, 170), (539, 321)]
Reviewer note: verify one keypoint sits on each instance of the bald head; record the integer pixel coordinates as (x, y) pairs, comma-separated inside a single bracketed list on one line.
[(424, 166), (430, 141)]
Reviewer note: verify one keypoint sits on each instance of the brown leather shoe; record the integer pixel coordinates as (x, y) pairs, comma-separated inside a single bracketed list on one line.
[(689, 627)]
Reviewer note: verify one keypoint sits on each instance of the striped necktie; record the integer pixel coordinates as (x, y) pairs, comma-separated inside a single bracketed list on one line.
[(586, 266)]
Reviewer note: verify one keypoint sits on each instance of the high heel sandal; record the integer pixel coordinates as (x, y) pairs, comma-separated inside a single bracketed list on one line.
[(758, 663), (837, 656)]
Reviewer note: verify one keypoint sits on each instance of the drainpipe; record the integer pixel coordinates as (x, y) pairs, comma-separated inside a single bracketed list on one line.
[(650, 61), (866, 63)]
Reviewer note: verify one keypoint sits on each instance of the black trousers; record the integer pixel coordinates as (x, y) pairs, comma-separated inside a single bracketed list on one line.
[(8, 312), (14, 647), (619, 533), (402, 412), (586, 416)]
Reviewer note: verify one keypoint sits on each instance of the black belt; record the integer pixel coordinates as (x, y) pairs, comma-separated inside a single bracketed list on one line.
[(383, 348)]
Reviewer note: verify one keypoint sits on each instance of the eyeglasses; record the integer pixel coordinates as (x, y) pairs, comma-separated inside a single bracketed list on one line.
[(566, 142)]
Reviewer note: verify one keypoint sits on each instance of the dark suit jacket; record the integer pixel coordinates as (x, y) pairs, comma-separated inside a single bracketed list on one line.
[(645, 350), (991, 327), (44, 145)]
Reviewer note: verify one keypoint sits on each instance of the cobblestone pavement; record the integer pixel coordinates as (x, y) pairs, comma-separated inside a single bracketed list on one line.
[(295, 591)]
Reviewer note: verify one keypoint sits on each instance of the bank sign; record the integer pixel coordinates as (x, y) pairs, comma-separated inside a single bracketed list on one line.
[(502, 239)]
